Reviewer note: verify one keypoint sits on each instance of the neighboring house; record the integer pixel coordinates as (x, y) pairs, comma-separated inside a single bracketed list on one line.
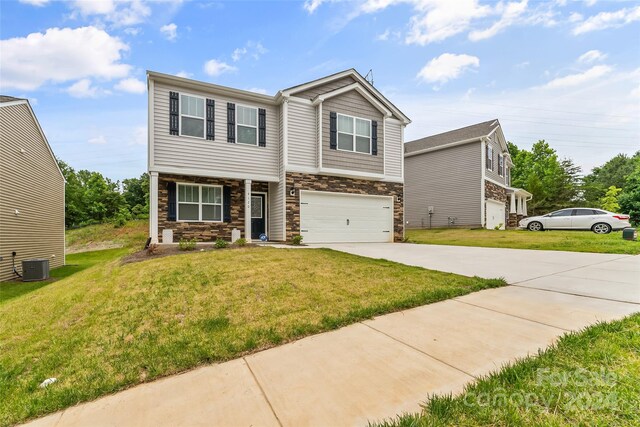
[(462, 178), (31, 191), (322, 160)]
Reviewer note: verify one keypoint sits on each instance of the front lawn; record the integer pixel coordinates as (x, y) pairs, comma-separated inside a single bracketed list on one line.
[(114, 325), (589, 378), (555, 240)]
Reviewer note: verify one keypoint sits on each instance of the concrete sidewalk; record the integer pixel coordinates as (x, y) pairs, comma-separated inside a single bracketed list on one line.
[(382, 367)]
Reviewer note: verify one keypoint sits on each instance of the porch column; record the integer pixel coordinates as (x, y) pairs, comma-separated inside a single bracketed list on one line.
[(153, 206), (247, 209), (524, 206), (512, 205), (519, 205)]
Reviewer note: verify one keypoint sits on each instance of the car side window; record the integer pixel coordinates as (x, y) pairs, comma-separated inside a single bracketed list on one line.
[(564, 212), (584, 212), (599, 212)]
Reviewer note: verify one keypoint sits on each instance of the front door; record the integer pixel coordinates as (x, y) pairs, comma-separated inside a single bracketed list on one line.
[(258, 215)]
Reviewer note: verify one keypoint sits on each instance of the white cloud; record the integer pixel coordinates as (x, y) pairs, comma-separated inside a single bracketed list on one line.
[(35, 2), (384, 36), (59, 55), (447, 66), (510, 12), (575, 17), (438, 20), (590, 2), (119, 13), (98, 140), (252, 49), (184, 74), (83, 89), (131, 85), (132, 31), (522, 65), (214, 68), (311, 5), (578, 79), (604, 20), (592, 56), (169, 31)]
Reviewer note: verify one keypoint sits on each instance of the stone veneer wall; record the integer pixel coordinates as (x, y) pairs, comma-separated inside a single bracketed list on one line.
[(301, 181), (204, 231)]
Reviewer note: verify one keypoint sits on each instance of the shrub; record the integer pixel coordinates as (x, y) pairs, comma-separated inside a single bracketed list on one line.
[(296, 240), (498, 227), (187, 245), (221, 244), (121, 218), (241, 242)]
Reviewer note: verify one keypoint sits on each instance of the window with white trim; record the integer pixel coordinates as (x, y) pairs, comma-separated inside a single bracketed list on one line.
[(199, 203), (507, 175), (191, 116), (354, 134), (489, 157), (500, 165), (247, 125)]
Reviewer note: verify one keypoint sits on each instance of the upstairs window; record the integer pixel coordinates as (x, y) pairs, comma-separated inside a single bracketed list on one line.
[(500, 165), (247, 125), (507, 174), (489, 157), (354, 134), (191, 116), (199, 203)]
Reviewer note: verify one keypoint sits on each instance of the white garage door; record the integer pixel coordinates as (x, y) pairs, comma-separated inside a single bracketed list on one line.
[(495, 214), (339, 217)]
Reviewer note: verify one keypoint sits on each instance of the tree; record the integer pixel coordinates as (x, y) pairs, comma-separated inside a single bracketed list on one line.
[(554, 183), (613, 173), (610, 200), (136, 194), (630, 197)]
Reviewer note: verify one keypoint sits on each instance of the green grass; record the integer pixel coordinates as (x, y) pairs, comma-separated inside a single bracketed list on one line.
[(555, 240), (132, 234), (589, 378), (110, 326)]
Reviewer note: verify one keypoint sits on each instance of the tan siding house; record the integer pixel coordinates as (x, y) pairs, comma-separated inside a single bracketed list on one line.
[(31, 191), (460, 179), (314, 160)]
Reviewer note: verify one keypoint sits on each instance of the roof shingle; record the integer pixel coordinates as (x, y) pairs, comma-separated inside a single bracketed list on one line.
[(469, 132)]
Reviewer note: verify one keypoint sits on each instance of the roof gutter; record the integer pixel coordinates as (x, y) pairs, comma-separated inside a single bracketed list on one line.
[(444, 146)]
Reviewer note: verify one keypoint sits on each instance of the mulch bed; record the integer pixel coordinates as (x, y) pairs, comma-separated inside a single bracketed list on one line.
[(168, 250)]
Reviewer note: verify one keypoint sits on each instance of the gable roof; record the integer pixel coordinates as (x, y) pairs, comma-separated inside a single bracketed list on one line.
[(361, 82), (8, 101), (468, 133)]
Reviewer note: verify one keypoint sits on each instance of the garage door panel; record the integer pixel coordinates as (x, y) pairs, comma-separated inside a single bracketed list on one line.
[(495, 214), (323, 217)]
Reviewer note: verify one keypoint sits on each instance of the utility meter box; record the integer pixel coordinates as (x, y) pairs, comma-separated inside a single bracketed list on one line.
[(630, 234)]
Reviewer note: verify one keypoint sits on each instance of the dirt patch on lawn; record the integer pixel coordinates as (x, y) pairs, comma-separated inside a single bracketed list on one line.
[(162, 251), (93, 246)]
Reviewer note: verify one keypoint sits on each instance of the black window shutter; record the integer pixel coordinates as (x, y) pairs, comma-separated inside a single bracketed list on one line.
[(211, 111), (226, 203), (174, 113), (374, 138), (171, 201), (262, 127), (231, 122), (333, 130)]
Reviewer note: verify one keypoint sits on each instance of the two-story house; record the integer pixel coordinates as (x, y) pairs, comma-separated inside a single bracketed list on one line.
[(323, 160), (462, 178)]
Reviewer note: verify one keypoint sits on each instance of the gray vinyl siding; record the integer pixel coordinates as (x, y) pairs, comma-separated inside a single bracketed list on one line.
[(393, 149), (218, 155), (450, 181), (352, 104), (493, 174), (277, 191), (31, 184), (331, 86), (302, 136)]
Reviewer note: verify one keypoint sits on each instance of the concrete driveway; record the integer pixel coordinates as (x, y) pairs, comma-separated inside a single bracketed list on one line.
[(606, 276), (378, 368)]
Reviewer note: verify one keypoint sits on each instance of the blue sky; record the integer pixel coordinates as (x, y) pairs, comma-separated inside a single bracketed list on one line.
[(564, 71)]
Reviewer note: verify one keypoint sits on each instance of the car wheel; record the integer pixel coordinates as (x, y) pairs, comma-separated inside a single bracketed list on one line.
[(601, 228), (535, 226)]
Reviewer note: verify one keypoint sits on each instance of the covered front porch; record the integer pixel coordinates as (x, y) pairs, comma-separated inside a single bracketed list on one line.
[(518, 199)]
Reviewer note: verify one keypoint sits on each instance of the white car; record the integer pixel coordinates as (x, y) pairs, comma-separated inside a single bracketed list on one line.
[(596, 220)]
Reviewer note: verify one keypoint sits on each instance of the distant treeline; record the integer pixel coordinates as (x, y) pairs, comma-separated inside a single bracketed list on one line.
[(92, 198)]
